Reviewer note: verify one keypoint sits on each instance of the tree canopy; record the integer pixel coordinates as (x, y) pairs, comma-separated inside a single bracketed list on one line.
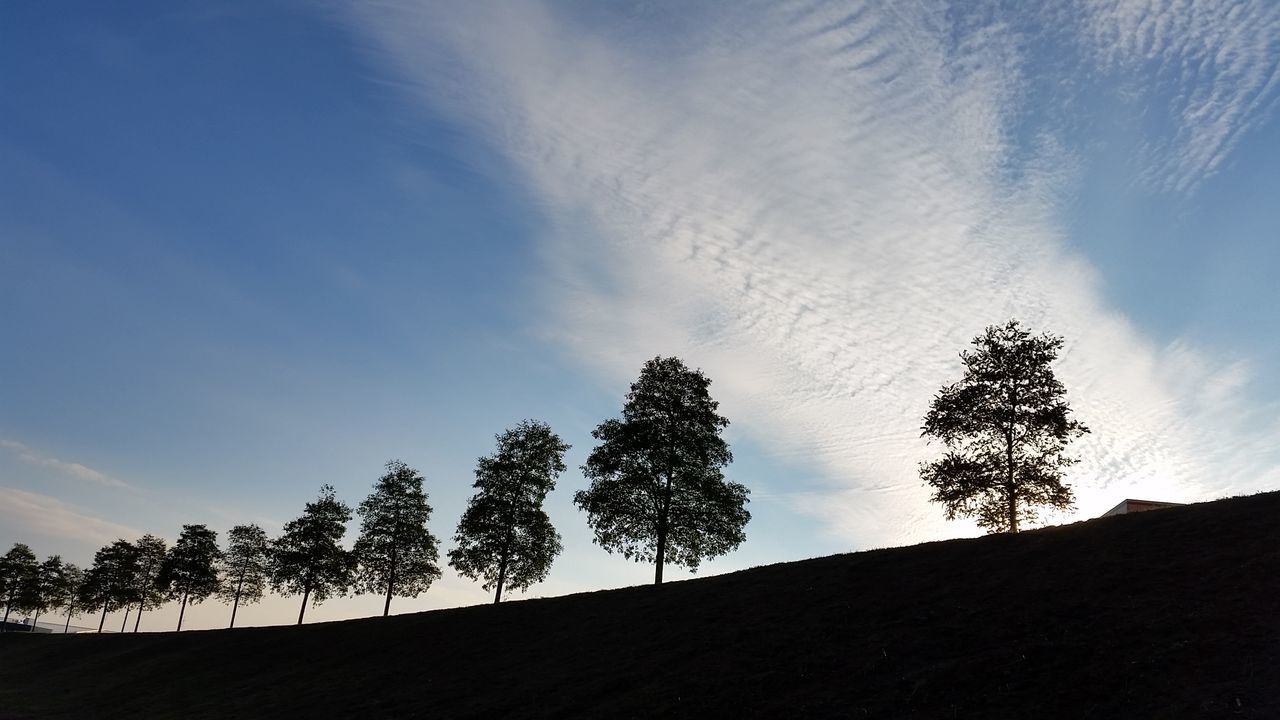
[(110, 581), (19, 571), (189, 573), (396, 554), (308, 558), (147, 588), (504, 536), (243, 567), (1006, 425), (658, 493)]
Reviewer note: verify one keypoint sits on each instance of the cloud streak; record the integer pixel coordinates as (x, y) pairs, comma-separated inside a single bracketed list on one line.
[(819, 204), (70, 469), (44, 515)]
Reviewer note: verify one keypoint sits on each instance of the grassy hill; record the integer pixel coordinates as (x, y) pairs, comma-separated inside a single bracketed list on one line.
[(1173, 613)]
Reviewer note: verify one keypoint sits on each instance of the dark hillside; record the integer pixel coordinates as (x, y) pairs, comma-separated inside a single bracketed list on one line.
[(1173, 613)]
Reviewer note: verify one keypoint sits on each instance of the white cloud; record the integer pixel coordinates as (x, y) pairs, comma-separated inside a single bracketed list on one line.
[(1215, 75), (820, 206), (70, 469), (44, 515)]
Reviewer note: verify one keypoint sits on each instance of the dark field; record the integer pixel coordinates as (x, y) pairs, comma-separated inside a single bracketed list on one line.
[(1173, 613)]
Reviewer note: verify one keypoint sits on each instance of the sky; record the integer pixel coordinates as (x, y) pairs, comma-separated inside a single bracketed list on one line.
[(249, 248)]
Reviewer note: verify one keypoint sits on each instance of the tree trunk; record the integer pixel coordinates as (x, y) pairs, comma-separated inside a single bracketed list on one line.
[(183, 610), (1009, 489), (235, 605), (662, 551), (34, 621), (8, 604), (306, 593), (104, 616), (502, 578), (138, 621), (66, 628), (125, 623), (391, 578)]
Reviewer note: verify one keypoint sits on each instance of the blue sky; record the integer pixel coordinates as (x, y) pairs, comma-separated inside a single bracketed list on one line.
[(248, 250)]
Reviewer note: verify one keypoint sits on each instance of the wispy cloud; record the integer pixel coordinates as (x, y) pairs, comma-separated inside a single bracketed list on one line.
[(820, 204), (44, 515), (70, 469), (1212, 71)]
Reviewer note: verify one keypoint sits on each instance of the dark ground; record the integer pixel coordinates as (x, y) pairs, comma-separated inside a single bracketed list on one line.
[(1167, 614)]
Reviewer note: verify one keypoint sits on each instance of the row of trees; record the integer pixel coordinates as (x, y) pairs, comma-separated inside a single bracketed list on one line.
[(657, 494)]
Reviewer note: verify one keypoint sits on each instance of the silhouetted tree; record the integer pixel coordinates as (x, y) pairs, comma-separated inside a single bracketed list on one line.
[(1005, 425), (110, 580), (18, 572), (67, 592), (147, 587), (657, 492), (308, 558), (189, 573), (243, 567), (396, 555), (47, 589), (504, 536)]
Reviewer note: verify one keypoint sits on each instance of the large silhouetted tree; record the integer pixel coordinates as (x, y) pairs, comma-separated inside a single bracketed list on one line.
[(19, 570), (657, 492), (308, 558), (504, 536), (110, 580), (243, 567), (395, 553), (146, 586), (189, 573), (1006, 425)]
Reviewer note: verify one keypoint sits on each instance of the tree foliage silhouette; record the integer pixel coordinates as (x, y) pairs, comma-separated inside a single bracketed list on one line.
[(189, 573), (657, 491), (67, 591), (110, 581), (308, 558), (19, 570), (46, 591), (146, 586), (396, 555), (243, 567), (1006, 425), (504, 536)]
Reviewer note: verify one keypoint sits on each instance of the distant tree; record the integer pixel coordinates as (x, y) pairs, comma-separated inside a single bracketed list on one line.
[(189, 573), (395, 552), (657, 492), (18, 572), (243, 567), (308, 558), (67, 592), (147, 587), (1006, 425), (504, 536), (111, 579)]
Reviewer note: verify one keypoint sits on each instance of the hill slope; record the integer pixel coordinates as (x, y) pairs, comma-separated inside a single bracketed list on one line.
[(1171, 613)]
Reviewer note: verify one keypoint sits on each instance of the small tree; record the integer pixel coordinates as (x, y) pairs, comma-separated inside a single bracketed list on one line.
[(68, 592), (147, 587), (395, 552), (19, 570), (243, 567), (110, 580), (308, 558), (504, 536), (189, 572), (657, 492), (1006, 425)]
